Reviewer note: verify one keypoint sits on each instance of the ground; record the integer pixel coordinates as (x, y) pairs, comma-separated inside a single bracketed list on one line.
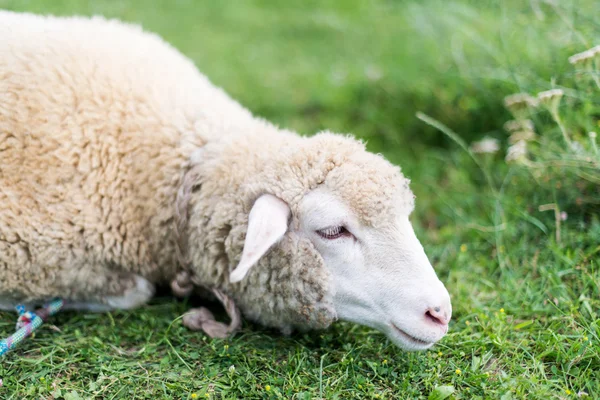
[(526, 304)]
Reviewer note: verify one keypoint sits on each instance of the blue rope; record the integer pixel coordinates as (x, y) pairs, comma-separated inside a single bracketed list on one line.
[(28, 322)]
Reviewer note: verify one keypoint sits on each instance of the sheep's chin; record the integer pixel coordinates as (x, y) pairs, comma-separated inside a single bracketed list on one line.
[(406, 341)]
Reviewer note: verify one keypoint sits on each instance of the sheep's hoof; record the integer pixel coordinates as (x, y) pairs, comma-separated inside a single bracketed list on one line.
[(201, 319), (133, 297)]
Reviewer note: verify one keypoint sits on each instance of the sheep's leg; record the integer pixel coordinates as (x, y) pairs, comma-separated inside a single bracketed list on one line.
[(10, 305), (112, 291), (92, 306), (83, 285), (136, 295), (95, 289), (101, 293)]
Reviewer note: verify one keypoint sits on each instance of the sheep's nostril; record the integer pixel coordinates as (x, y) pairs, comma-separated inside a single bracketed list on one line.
[(435, 315)]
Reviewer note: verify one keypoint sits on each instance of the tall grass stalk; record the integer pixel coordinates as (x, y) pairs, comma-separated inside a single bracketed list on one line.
[(498, 211)]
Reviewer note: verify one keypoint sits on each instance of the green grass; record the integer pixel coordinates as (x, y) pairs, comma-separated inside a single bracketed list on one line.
[(525, 322)]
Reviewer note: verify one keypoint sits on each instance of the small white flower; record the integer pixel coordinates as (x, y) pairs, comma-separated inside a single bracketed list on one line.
[(232, 369), (563, 216), (519, 104), (585, 56), (592, 135), (485, 145), (585, 59), (550, 95), (525, 135), (551, 100), (517, 151), (582, 57), (519, 100), (577, 147), (518, 125)]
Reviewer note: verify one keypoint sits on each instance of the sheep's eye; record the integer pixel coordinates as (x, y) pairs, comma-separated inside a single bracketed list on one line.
[(333, 232)]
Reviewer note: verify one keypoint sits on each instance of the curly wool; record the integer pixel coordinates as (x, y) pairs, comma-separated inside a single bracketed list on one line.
[(97, 123), (117, 154)]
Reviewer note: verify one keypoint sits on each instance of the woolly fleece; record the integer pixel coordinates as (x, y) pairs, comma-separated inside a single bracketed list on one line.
[(101, 123)]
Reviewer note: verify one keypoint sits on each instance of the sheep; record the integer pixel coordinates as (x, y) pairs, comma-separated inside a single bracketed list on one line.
[(122, 167)]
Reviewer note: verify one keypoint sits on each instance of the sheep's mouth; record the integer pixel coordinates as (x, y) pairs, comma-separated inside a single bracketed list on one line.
[(411, 339)]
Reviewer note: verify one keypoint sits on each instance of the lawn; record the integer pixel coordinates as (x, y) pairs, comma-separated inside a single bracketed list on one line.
[(526, 303)]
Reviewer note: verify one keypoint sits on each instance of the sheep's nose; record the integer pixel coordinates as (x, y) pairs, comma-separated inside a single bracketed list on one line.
[(439, 315)]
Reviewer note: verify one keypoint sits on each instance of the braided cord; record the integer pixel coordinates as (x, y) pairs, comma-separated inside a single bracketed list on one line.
[(28, 322)]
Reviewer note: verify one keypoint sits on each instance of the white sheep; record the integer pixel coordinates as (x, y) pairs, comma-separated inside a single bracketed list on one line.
[(122, 167)]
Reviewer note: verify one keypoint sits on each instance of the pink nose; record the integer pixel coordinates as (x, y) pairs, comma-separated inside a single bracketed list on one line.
[(438, 315)]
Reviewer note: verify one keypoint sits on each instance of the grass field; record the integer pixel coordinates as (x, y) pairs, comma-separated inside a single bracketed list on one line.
[(526, 306)]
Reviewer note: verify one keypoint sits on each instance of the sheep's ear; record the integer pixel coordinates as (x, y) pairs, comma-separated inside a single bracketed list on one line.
[(267, 223)]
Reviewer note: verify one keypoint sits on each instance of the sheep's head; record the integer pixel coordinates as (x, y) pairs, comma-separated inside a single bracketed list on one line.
[(380, 274), (353, 220)]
